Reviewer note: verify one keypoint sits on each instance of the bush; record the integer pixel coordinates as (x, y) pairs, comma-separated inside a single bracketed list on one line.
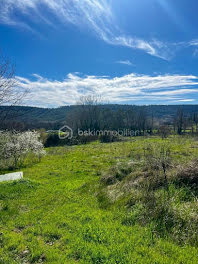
[(188, 174), (53, 140), (43, 136), (158, 159), (164, 131), (15, 147), (108, 138)]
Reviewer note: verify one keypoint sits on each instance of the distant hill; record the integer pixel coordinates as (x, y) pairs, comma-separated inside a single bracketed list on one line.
[(42, 117), (34, 114)]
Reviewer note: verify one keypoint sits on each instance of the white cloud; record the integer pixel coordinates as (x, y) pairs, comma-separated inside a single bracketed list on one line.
[(194, 42), (194, 45), (97, 15), (128, 88), (125, 62), (186, 100)]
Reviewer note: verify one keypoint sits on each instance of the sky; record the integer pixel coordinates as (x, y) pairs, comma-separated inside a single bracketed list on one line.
[(125, 51)]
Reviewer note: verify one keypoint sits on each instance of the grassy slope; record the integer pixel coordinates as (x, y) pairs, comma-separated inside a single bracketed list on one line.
[(55, 216)]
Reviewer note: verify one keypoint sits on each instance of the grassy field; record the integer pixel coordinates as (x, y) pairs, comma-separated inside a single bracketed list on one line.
[(62, 213)]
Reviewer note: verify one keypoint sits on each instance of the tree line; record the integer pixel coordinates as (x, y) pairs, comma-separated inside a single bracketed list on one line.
[(91, 114)]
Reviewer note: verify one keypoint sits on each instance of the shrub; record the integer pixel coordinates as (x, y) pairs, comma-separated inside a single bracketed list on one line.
[(53, 140), (158, 159), (108, 138), (43, 136), (164, 131), (15, 146), (188, 174)]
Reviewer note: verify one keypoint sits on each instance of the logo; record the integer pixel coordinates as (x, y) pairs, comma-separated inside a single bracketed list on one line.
[(65, 132)]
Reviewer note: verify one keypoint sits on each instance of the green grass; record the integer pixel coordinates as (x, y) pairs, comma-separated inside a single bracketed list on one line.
[(59, 213)]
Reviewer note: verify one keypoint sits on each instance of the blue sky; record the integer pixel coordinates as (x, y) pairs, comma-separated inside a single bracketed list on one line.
[(126, 51)]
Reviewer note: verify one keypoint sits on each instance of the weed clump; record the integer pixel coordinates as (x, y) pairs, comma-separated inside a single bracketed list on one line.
[(188, 174), (117, 173)]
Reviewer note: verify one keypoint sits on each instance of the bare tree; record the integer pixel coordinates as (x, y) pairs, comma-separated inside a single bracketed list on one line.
[(7, 82), (195, 120), (179, 120), (10, 94), (89, 100), (89, 112), (164, 131)]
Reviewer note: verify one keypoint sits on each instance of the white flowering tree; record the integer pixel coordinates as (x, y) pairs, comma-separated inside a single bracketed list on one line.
[(15, 146)]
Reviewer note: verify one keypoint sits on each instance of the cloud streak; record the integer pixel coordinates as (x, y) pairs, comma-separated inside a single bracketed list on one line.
[(125, 62), (130, 88), (93, 14)]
